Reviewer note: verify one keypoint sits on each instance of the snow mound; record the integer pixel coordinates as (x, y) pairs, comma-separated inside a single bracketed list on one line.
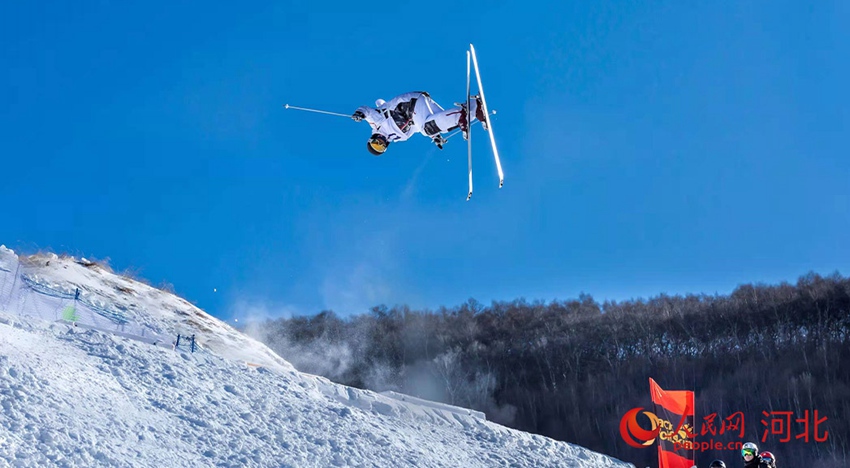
[(78, 391)]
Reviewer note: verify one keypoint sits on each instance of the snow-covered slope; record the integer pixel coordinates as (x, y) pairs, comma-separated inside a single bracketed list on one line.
[(94, 394), (142, 307)]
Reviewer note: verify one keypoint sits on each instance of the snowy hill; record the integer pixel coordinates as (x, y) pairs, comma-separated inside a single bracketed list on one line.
[(90, 376)]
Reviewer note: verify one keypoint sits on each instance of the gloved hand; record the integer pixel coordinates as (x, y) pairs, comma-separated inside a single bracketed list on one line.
[(358, 116), (439, 141)]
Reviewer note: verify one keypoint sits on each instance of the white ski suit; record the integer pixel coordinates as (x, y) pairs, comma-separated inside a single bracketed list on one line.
[(401, 117)]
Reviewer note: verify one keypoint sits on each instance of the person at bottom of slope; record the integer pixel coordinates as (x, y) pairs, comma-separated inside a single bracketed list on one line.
[(415, 112), (769, 459), (750, 454)]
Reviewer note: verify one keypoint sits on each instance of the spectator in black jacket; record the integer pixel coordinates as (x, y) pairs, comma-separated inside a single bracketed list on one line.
[(752, 459)]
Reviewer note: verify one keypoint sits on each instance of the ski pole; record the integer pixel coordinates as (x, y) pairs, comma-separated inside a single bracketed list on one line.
[(287, 106)]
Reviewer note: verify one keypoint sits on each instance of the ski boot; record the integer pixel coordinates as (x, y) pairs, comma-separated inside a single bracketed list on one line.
[(462, 122), (479, 112)]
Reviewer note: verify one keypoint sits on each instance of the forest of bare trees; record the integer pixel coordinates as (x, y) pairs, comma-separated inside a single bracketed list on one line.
[(570, 369)]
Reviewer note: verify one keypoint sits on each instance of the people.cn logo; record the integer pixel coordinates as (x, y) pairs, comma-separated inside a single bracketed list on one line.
[(635, 435)]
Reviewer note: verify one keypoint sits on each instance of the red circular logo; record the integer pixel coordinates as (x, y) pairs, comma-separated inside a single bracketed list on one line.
[(635, 435)]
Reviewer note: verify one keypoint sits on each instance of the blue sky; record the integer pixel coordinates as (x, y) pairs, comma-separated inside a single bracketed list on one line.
[(648, 147)]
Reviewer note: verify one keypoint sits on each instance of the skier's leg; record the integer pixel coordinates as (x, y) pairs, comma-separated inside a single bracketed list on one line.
[(442, 122), (428, 106), (435, 124), (423, 112)]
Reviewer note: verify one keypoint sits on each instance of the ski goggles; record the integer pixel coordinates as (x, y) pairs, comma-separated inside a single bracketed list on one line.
[(748, 451)]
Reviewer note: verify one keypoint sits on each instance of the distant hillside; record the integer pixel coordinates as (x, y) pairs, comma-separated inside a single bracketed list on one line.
[(571, 369)]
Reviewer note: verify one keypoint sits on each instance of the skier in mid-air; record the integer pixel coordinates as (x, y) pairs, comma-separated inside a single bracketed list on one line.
[(416, 112), (409, 113)]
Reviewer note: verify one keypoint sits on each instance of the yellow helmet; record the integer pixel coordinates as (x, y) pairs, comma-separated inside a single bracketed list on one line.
[(377, 144)]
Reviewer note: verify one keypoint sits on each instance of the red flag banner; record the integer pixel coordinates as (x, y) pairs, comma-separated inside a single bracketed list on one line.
[(675, 412)]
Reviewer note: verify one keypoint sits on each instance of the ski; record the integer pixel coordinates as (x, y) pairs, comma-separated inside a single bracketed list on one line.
[(468, 127), (489, 120)]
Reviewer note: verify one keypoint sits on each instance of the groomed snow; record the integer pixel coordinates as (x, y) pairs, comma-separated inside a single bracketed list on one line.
[(75, 396)]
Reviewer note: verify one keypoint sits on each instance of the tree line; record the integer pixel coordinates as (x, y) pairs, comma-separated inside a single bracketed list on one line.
[(570, 369)]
